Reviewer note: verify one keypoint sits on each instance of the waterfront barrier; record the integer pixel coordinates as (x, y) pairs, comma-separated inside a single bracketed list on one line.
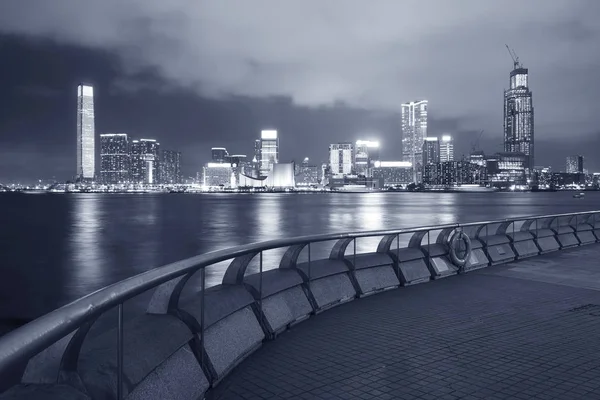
[(181, 347)]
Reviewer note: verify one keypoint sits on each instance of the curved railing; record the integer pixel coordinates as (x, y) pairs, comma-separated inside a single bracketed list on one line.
[(51, 345)]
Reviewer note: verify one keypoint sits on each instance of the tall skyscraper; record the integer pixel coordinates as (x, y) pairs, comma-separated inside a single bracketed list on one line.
[(114, 158), (219, 154), (414, 132), (575, 164), (446, 149), (170, 167), (518, 115), (341, 159), (431, 151), (86, 161), (145, 155), (269, 151), (367, 152)]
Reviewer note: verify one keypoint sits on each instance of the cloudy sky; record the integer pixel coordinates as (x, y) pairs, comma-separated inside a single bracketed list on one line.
[(196, 74)]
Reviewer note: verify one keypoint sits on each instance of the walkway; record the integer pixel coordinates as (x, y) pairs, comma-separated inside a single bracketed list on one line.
[(526, 330)]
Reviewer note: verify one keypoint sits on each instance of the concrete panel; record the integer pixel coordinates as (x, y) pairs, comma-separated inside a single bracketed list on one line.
[(494, 240), (221, 301), (441, 267), (231, 340), (285, 308), (547, 244), (273, 281), (179, 377), (413, 272), (597, 234), (586, 237), (29, 391), (408, 254), (501, 253), (148, 341), (477, 260), (369, 260), (332, 290), (376, 279), (567, 240), (526, 248), (322, 268)]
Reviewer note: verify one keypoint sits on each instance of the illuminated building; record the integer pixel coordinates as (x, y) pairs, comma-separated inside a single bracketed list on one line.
[(478, 157), (281, 176), (414, 132), (256, 159), (506, 169), (307, 175), (446, 149), (452, 173), (431, 150), (341, 159), (145, 155), (269, 151), (114, 158), (217, 175), (238, 165), (219, 154), (393, 173), (366, 154), (170, 167), (518, 116), (85, 133), (575, 164)]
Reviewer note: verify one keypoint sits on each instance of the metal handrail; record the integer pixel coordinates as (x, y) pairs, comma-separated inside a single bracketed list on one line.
[(27, 341)]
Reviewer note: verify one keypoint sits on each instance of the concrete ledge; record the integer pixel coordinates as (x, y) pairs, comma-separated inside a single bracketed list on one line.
[(477, 260), (585, 234), (439, 263), (330, 283), (498, 249), (412, 266), (546, 241), (567, 240), (284, 302), (373, 272), (148, 342), (27, 391), (232, 330), (523, 244)]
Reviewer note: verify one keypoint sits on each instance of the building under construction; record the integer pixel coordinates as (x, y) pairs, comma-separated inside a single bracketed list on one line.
[(518, 114)]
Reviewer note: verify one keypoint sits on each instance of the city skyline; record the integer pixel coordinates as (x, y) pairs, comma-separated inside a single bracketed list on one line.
[(323, 100)]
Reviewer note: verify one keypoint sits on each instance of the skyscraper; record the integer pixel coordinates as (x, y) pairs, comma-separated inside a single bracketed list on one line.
[(367, 152), (145, 161), (446, 149), (219, 154), (114, 158), (414, 132), (575, 164), (269, 151), (518, 115), (86, 161), (341, 159), (170, 167), (431, 151)]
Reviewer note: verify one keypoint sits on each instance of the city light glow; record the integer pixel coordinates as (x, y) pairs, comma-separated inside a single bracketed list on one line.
[(268, 134)]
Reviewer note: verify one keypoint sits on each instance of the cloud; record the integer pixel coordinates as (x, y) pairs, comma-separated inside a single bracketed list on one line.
[(372, 55)]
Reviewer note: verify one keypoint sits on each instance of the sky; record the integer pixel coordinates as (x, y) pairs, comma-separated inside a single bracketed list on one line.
[(196, 74)]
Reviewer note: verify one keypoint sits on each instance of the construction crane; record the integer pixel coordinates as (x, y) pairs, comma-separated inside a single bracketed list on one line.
[(475, 144), (515, 58)]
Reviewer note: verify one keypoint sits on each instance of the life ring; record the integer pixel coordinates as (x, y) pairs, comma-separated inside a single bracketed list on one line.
[(459, 235)]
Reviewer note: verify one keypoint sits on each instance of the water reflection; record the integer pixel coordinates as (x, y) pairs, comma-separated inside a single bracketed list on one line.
[(88, 264)]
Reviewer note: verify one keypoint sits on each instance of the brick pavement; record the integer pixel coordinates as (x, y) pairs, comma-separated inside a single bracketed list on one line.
[(490, 334)]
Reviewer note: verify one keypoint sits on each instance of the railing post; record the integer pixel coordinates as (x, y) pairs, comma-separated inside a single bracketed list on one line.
[(398, 254), (120, 353), (260, 285), (354, 256), (309, 266), (202, 323)]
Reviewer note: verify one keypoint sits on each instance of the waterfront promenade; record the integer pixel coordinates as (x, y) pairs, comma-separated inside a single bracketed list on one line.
[(525, 330)]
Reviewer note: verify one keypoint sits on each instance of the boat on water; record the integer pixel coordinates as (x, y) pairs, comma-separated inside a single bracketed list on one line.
[(474, 188), (354, 189), (579, 195)]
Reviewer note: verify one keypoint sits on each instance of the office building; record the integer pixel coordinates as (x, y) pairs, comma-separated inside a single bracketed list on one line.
[(392, 173), (478, 157), (341, 159), (518, 116), (170, 167), (453, 173), (431, 150), (281, 176), (306, 174), (219, 154), (145, 160), (269, 151), (446, 149), (575, 164), (414, 132), (367, 152), (86, 151), (238, 165), (114, 158), (507, 168), (217, 176)]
